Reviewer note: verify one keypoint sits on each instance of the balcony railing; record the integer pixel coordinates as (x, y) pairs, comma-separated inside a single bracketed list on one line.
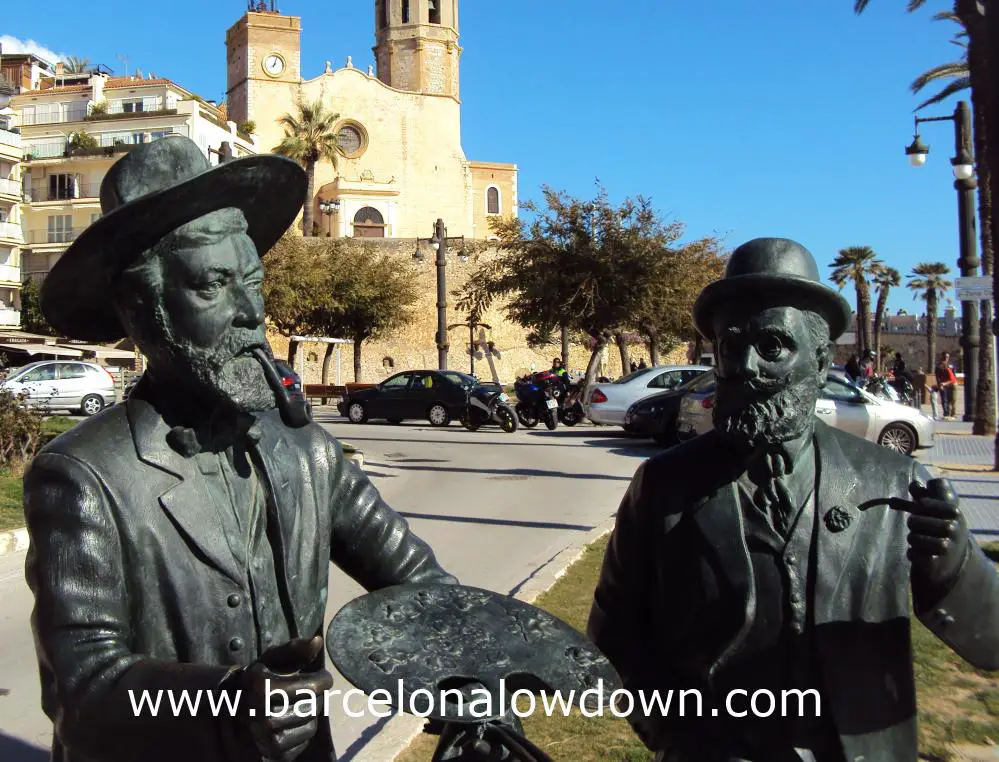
[(74, 113), (39, 237), (10, 317), (77, 192), (10, 187), (48, 150), (9, 138), (11, 231), (10, 274)]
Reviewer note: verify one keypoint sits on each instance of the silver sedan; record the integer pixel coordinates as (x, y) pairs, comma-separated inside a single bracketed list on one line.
[(842, 405)]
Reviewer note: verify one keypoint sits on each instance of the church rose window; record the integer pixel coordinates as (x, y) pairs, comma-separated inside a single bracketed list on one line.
[(349, 139)]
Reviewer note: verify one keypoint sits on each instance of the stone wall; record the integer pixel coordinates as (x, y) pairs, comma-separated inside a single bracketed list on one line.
[(414, 345), (913, 349)]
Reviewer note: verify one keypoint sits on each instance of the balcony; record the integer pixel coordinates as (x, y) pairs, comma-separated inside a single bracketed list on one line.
[(78, 192), (10, 188), (8, 138), (11, 231), (43, 237), (74, 113), (10, 274), (49, 150), (10, 318)]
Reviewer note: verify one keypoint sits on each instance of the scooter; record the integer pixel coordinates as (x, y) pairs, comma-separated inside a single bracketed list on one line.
[(570, 410), (484, 406), (536, 402)]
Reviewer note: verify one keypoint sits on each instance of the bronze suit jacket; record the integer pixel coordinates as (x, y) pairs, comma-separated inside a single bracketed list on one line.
[(136, 588), (676, 594)]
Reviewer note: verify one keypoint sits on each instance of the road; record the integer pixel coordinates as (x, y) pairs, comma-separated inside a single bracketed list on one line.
[(495, 507)]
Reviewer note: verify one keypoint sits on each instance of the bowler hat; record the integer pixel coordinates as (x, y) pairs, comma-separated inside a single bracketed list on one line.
[(772, 271), (147, 194)]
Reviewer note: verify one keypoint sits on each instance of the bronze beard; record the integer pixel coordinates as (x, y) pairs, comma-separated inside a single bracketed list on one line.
[(759, 413)]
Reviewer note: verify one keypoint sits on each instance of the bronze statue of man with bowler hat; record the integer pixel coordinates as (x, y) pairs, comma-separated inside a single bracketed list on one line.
[(768, 563), (181, 540)]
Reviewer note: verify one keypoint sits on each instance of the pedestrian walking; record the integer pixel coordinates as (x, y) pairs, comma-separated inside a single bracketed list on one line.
[(947, 382)]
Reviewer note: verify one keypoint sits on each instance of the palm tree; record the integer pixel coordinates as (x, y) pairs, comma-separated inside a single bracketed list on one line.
[(959, 72), (310, 137), (928, 279), (858, 264), (886, 278), (75, 65)]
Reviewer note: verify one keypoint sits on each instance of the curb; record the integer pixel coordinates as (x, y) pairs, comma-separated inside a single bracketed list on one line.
[(402, 729), (13, 541)]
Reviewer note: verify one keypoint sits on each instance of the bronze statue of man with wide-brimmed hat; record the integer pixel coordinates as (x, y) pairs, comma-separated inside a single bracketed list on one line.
[(768, 562), (181, 540)]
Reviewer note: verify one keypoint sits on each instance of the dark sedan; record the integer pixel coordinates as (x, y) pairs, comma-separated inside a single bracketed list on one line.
[(655, 416), (432, 395)]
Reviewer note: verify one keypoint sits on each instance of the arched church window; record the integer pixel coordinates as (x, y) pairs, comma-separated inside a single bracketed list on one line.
[(369, 223), (435, 11), (405, 11), (492, 200)]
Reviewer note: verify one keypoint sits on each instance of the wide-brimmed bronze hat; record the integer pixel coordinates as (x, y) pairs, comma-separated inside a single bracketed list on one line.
[(147, 194), (772, 272)]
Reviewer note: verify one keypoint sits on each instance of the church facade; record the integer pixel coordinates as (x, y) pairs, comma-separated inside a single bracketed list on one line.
[(401, 163)]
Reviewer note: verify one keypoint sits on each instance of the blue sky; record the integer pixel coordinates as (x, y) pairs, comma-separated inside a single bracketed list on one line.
[(773, 118)]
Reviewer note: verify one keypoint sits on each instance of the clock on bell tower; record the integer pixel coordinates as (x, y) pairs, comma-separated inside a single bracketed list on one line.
[(263, 51)]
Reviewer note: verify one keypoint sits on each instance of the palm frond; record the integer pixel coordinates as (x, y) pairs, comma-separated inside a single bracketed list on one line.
[(956, 86), (951, 70)]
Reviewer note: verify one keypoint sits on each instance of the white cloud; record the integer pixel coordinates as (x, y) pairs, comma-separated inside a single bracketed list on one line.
[(11, 45)]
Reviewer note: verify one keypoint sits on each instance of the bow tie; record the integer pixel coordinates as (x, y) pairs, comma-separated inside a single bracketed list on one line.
[(216, 436)]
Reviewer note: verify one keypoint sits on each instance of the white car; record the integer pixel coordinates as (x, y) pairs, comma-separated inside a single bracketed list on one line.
[(841, 404), (82, 387), (606, 404)]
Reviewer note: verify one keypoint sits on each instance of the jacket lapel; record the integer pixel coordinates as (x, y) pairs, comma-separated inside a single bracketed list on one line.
[(720, 520), (837, 480), (277, 459), (186, 502)]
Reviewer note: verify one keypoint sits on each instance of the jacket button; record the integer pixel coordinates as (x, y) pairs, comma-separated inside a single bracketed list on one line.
[(236, 644), (234, 600)]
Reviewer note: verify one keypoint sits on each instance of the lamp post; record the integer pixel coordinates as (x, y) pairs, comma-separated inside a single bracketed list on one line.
[(328, 208), (965, 184), (440, 241), (471, 325)]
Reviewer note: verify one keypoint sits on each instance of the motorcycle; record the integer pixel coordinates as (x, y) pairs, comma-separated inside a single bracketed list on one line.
[(536, 400), (570, 411), (905, 388), (880, 387), (483, 406)]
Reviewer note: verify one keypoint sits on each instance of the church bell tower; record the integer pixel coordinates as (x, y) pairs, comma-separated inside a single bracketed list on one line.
[(417, 45)]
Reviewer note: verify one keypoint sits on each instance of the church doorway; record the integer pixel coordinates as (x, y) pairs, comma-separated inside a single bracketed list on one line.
[(369, 223)]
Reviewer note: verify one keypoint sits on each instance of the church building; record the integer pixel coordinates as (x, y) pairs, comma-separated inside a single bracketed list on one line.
[(402, 165)]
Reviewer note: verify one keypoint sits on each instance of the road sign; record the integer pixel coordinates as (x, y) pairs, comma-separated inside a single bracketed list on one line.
[(973, 289)]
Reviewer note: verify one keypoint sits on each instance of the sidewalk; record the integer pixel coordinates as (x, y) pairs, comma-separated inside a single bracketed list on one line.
[(967, 461)]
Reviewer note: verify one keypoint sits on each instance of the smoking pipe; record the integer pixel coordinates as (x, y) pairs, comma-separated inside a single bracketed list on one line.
[(295, 414), (938, 489)]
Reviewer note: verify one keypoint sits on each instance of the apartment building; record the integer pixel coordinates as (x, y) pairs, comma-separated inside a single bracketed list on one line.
[(11, 238), (74, 127)]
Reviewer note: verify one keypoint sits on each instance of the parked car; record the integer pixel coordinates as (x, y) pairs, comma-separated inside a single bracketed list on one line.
[(607, 403), (82, 387), (655, 416), (437, 396), (841, 404)]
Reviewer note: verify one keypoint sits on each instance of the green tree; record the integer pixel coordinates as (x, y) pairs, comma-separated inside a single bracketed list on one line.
[(664, 318), (929, 281), (585, 265), (32, 318), (310, 137), (858, 264), (886, 278), (364, 294), (292, 286)]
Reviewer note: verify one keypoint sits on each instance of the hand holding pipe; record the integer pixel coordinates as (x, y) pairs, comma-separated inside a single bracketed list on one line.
[(939, 539)]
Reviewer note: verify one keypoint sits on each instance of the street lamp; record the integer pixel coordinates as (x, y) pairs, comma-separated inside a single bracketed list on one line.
[(328, 208), (441, 242), (965, 183), (471, 325)]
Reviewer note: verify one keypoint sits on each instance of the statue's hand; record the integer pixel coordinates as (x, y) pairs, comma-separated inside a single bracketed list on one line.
[(271, 688), (939, 540)]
